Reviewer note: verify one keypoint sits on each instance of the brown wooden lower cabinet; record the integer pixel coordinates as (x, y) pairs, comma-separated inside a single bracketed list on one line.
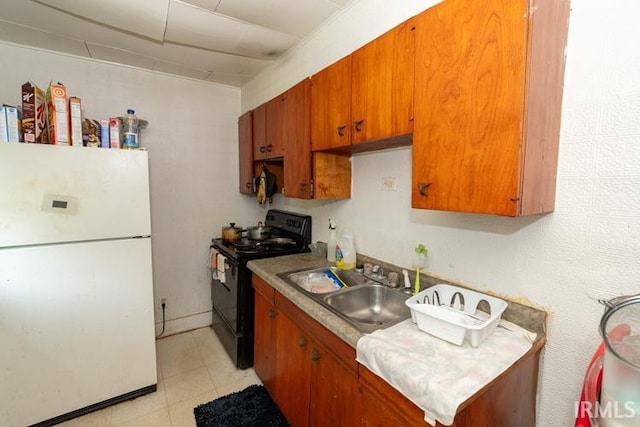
[(293, 371), (264, 359), (314, 378), (378, 409)]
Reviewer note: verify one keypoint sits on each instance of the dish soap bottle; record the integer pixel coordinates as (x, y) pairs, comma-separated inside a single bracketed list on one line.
[(346, 252), (332, 242)]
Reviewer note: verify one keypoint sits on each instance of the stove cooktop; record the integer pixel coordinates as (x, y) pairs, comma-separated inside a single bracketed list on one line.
[(290, 234), (256, 249)]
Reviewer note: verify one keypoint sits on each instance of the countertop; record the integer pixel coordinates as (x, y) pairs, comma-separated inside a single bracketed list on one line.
[(268, 269)]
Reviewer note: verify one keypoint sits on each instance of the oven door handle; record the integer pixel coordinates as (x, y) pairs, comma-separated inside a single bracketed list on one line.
[(224, 285)]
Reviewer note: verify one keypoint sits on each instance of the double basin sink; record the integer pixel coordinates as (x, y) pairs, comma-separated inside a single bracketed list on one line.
[(364, 303)]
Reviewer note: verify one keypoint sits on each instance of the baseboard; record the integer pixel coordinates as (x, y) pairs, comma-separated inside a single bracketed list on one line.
[(184, 324)]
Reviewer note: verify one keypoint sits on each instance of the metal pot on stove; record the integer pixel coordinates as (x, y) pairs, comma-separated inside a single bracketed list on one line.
[(231, 233), (258, 232)]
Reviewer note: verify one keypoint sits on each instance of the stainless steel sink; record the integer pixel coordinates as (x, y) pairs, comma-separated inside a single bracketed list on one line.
[(364, 303), (370, 306)]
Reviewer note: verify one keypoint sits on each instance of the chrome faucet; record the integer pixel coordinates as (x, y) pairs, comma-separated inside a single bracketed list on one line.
[(377, 274)]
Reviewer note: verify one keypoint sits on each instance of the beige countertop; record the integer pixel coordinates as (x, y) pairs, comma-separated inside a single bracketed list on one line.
[(268, 269)]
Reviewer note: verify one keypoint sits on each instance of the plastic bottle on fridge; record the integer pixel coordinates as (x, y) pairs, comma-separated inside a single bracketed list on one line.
[(130, 125), (346, 252), (332, 242)]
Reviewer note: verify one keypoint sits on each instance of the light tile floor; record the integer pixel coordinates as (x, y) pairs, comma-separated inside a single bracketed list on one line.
[(193, 368)]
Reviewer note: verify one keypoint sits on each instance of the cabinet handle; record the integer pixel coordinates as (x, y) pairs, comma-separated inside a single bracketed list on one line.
[(271, 314), (315, 355), (358, 125), (303, 186), (248, 185), (423, 187), (263, 148), (269, 147), (341, 130), (302, 342)]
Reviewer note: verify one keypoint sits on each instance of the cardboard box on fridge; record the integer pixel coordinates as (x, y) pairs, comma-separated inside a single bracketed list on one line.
[(75, 121), (115, 135), (58, 114), (91, 132), (10, 124), (13, 122), (34, 114), (4, 137)]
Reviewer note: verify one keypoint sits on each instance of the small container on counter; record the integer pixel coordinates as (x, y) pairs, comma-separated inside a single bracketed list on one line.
[(332, 242)]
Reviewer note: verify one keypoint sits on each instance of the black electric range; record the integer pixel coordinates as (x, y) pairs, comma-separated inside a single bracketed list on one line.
[(231, 291)]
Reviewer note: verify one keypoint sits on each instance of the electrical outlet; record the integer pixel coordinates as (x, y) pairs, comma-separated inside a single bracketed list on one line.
[(163, 301)]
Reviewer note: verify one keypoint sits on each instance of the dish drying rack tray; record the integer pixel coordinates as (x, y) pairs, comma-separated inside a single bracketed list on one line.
[(452, 313)]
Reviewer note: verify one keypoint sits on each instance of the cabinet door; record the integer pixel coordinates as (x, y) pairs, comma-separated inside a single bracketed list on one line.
[(245, 150), (297, 161), (382, 74), (293, 371), (469, 95), (260, 132), (264, 359), (335, 398), (275, 139), (331, 106), (377, 412), (384, 406)]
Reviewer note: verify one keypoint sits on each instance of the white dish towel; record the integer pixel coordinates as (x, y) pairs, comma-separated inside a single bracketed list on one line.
[(212, 262), (222, 266), (434, 374)]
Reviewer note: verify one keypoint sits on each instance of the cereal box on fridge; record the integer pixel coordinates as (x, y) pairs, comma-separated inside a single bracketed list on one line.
[(75, 121), (34, 114), (58, 114)]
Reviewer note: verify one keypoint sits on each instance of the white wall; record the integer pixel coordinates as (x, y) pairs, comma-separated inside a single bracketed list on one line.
[(588, 248), (193, 155)]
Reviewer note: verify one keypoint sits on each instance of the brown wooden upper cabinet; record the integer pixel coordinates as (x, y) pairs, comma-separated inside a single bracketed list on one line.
[(367, 95), (245, 150), (268, 129), (331, 172), (260, 132), (488, 94), (275, 140), (382, 74), (331, 106), (297, 162)]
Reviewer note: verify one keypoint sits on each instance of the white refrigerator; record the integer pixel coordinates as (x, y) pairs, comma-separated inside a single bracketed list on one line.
[(76, 288)]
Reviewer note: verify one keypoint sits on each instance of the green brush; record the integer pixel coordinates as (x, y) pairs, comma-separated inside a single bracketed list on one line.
[(420, 258)]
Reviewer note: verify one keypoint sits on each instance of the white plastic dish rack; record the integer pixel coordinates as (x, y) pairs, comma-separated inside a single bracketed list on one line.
[(451, 313)]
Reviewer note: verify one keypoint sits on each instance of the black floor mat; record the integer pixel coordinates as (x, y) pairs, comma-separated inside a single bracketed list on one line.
[(251, 407)]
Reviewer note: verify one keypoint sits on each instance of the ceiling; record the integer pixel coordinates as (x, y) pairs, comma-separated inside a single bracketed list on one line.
[(224, 41)]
